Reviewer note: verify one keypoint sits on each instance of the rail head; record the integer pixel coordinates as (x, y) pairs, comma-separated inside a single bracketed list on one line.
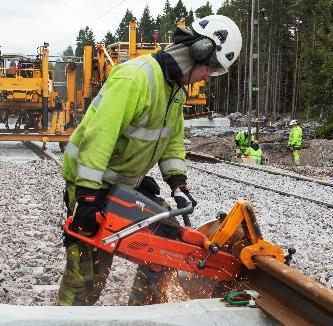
[(301, 297)]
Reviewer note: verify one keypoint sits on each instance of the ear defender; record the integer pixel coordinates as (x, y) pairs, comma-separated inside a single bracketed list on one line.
[(202, 49)]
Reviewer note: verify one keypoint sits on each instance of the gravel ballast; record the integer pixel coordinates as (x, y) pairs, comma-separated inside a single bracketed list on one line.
[(33, 258)]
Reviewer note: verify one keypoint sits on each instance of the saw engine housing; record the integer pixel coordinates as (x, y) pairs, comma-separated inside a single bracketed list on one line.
[(184, 250)]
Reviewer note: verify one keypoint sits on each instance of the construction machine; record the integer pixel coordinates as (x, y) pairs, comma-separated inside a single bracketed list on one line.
[(96, 69), (29, 104)]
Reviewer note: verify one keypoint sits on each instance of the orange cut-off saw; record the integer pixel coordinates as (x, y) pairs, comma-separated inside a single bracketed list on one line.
[(130, 224)]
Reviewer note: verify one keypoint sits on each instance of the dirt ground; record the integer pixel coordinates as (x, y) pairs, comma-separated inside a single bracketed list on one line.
[(316, 154)]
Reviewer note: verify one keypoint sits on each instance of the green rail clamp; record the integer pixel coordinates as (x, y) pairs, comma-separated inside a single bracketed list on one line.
[(240, 298)]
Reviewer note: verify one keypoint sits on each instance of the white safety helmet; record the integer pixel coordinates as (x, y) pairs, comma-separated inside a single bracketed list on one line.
[(293, 122), (227, 38)]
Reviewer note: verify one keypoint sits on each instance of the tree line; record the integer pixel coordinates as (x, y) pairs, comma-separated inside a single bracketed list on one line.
[(294, 46)]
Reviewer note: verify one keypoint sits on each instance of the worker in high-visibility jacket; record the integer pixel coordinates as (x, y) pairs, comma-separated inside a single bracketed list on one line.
[(134, 122), (253, 153), (295, 140), (243, 142)]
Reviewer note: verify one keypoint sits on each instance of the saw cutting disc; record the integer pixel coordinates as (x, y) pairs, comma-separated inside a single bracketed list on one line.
[(196, 286)]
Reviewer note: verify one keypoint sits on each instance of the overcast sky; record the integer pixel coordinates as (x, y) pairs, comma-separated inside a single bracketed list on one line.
[(24, 25)]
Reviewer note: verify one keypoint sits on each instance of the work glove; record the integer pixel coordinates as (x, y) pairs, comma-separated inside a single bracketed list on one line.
[(291, 148), (180, 191), (86, 207), (183, 197), (149, 187), (181, 194)]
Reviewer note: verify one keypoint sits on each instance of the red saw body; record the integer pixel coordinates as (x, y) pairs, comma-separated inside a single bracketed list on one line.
[(126, 207)]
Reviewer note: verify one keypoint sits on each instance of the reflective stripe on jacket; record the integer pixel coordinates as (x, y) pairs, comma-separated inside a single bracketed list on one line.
[(295, 136), (127, 129), (254, 154)]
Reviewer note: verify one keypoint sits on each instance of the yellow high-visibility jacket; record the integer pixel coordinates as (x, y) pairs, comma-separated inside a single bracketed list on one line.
[(134, 122), (243, 140), (255, 155), (295, 137)]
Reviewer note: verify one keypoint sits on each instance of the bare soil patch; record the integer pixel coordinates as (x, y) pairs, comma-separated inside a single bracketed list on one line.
[(316, 154)]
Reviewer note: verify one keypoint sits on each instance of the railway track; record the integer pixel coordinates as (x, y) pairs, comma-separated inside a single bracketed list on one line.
[(42, 153), (257, 185), (286, 295), (212, 159)]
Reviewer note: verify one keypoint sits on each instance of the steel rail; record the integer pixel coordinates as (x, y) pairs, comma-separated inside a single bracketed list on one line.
[(213, 159), (33, 137), (43, 153), (262, 187), (288, 295)]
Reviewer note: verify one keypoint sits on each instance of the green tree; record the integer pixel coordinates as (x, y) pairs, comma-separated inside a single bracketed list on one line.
[(179, 11), (204, 10), (165, 22), (190, 18), (317, 57), (279, 66), (59, 71), (85, 37), (69, 52), (122, 30), (146, 26), (109, 38)]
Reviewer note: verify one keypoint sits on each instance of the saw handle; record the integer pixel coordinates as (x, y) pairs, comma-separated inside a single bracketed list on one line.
[(92, 240), (141, 224), (182, 211), (74, 234)]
